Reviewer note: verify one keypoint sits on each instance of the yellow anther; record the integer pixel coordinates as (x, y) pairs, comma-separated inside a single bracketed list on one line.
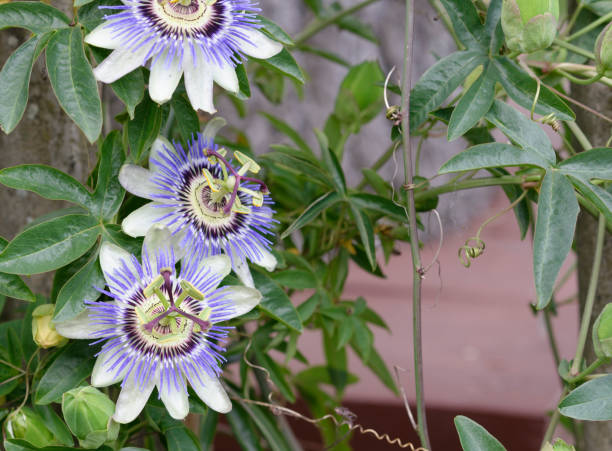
[(210, 180), (248, 163), (191, 290), (239, 208), (258, 199), (154, 285), (204, 315)]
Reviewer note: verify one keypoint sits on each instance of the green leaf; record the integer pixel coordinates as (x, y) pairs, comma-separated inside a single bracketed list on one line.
[(289, 131), (492, 155), (80, 287), (379, 368), (113, 234), (47, 182), (466, 23), (267, 426), (381, 186), (130, 90), (522, 89), (144, 128), (187, 119), (336, 360), (473, 104), (602, 332), (345, 333), (474, 437), (601, 198), (180, 438), (522, 210), (12, 286), (109, 193), (15, 81), (275, 372), (55, 424), (73, 364), (50, 245), (439, 81), (493, 29), (592, 401), (379, 204), (273, 30), (366, 232), (592, 164), (73, 81), (363, 339), (312, 211), (554, 232), (523, 131), (331, 162), (285, 64), (275, 301), (37, 17), (242, 428), (296, 279), (244, 91)]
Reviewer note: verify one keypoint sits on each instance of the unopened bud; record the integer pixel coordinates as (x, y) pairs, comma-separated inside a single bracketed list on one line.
[(602, 332), (43, 330), (603, 52), (25, 424), (559, 445), (529, 25)]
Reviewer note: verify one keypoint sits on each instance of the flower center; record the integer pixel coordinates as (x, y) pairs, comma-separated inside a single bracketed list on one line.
[(185, 15)]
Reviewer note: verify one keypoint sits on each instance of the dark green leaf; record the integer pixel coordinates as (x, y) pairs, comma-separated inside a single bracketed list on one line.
[(493, 29), (522, 89), (130, 90), (267, 426), (332, 163), (296, 279), (242, 428), (345, 333), (289, 131), (439, 81), (492, 155), (73, 81), (474, 437), (312, 211), (144, 128), (275, 31), (243, 83), (336, 359), (601, 198), (363, 339), (50, 245), (554, 232), (366, 232), (109, 193), (285, 64), (208, 429), (466, 23), (275, 302), (12, 285), (47, 182), (381, 186), (592, 164), (113, 234), (187, 119), (73, 364), (523, 131), (308, 307), (37, 17), (473, 104), (379, 367), (15, 81), (591, 401), (179, 438), (275, 372), (379, 204)]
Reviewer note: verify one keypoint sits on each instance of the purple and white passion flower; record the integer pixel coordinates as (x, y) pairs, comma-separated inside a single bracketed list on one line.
[(210, 206), (203, 39), (161, 327)]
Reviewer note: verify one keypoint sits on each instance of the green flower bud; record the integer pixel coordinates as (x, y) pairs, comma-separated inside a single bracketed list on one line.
[(603, 51), (43, 330), (25, 424), (602, 333), (559, 445), (529, 25), (88, 413)]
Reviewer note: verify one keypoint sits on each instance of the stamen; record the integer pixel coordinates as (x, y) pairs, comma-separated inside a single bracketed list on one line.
[(190, 290), (155, 284)]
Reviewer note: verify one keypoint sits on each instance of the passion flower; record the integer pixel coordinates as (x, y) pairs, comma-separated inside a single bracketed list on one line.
[(162, 327), (204, 39)]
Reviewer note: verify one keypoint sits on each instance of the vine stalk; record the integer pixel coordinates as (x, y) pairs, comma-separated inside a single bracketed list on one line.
[(417, 269)]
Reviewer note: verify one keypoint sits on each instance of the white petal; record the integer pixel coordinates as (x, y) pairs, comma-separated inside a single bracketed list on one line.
[(112, 258), (211, 391), (265, 258), (212, 128), (103, 36), (175, 400), (217, 265), (225, 76), (259, 45), (137, 180), (157, 240), (199, 82), (161, 146), (119, 63), (165, 77), (80, 327), (241, 268), (244, 299), (140, 220), (132, 399), (102, 375)]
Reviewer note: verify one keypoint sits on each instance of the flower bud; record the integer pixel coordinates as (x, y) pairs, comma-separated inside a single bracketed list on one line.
[(25, 424), (43, 330), (529, 25), (88, 413), (559, 445), (602, 333), (603, 52)]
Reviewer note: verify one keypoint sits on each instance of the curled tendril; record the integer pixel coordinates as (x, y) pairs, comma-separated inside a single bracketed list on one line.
[(551, 119), (469, 251)]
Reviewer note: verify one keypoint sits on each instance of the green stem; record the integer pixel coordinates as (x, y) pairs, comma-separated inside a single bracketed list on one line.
[(574, 17), (590, 298), (417, 269), (591, 26), (552, 425), (320, 23), (551, 338), (579, 134), (588, 370), (574, 48), (580, 81)]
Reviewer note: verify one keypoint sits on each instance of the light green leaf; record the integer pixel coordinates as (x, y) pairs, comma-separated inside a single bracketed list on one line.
[(50, 245), (522, 89), (12, 286), (474, 437), (473, 104), (592, 164), (523, 131), (296, 279), (73, 81), (592, 401), (275, 31), (492, 155), (275, 301), (15, 81), (47, 182), (285, 64), (37, 17), (554, 232), (312, 211), (439, 81), (109, 193), (366, 233)]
